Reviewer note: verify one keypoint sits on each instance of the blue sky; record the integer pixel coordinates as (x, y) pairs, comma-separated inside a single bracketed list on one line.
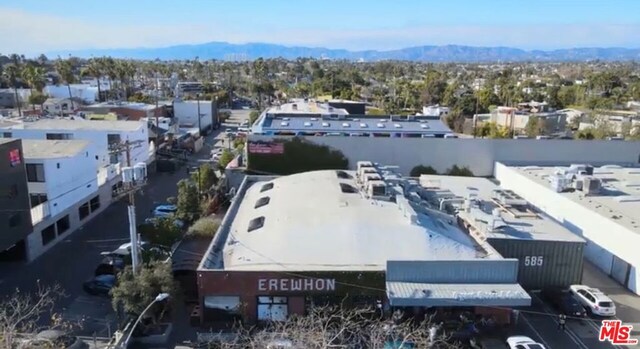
[(33, 26)]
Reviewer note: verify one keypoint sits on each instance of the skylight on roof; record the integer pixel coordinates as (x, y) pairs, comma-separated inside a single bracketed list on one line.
[(424, 126), (345, 124), (397, 125), (307, 124), (285, 119), (383, 120), (256, 223), (262, 201), (356, 119), (380, 125), (284, 123), (314, 119), (363, 125), (325, 124), (267, 186)]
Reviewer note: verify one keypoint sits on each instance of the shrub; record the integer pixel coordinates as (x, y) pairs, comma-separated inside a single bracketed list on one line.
[(459, 171), (421, 169), (204, 228)]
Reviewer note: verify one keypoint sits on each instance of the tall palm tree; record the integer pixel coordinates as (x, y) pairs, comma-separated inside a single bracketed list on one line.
[(34, 77), (65, 71), (11, 72), (94, 69)]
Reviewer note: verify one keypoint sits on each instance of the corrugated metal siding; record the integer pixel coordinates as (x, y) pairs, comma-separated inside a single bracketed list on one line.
[(561, 264), (496, 271), (455, 295)]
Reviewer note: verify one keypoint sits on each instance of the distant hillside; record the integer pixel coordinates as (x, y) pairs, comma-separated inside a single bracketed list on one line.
[(448, 53)]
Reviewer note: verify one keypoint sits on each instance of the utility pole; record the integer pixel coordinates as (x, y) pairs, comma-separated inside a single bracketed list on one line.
[(131, 185), (199, 121), (156, 111)]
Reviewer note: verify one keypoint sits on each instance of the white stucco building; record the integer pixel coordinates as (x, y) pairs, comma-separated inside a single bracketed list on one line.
[(187, 113), (84, 92)]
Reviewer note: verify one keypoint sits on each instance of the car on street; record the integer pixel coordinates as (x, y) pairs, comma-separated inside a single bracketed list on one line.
[(164, 210), (594, 300), (110, 265), (53, 339), (100, 285), (564, 301), (522, 342)]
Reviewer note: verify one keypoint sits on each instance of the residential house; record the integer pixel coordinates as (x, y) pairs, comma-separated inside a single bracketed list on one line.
[(58, 106)]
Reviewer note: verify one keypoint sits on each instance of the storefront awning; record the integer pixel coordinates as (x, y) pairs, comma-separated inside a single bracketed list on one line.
[(413, 294)]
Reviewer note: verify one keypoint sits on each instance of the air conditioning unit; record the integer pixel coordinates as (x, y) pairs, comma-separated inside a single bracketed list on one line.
[(592, 185)]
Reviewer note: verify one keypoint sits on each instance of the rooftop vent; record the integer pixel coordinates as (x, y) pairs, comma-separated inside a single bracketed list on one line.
[(267, 186), (284, 123), (508, 198), (256, 223), (380, 125), (363, 125), (345, 124), (349, 189), (285, 119), (314, 119), (356, 120), (262, 202), (294, 106), (307, 124), (325, 124), (383, 120), (425, 126), (397, 125)]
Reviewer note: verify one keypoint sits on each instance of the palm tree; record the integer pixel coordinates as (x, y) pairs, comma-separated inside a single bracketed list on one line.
[(11, 73), (34, 77), (94, 70), (65, 71)]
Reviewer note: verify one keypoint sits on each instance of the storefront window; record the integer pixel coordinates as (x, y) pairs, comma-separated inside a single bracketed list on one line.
[(222, 308)]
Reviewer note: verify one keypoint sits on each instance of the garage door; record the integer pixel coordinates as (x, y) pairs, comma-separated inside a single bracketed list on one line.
[(620, 270), (600, 257)]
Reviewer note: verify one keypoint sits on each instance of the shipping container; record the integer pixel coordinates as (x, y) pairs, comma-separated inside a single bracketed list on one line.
[(544, 263)]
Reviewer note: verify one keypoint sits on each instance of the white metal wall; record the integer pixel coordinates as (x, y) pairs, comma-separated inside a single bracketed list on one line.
[(612, 238), (187, 112)]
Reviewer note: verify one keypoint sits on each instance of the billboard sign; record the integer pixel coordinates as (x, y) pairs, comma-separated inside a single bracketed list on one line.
[(261, 147)]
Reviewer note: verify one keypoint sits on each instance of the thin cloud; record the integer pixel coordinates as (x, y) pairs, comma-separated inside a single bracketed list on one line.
[(31, 33)]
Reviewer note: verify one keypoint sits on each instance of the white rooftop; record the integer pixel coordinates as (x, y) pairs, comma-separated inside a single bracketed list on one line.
[(308, 107), (129, 105), (516, 223), (52, 149), (64, 124), (310, 224), (618, 201)]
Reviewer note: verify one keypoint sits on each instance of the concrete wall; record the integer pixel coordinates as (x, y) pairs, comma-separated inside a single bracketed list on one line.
[(477, 154), (84, 92), (187, 113), (605, 238)]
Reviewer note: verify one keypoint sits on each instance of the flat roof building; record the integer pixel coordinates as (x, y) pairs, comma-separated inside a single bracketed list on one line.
[(550, 255), (599, 204), (310, 118), (291, 242)]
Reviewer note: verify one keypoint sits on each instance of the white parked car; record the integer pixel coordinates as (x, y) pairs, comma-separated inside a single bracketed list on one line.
[(522, 342), (164, 211), (594, 300)]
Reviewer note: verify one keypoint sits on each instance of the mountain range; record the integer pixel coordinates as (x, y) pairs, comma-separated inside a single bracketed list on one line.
[(447, 53)]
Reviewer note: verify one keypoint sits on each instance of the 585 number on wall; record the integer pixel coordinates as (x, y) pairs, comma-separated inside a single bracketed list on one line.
[(533, 261)]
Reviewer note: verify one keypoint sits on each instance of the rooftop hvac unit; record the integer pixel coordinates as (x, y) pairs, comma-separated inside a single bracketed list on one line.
[(591, 185), (127, 174), (366, 170), (559, 183), (376, 189), (362, 164), (578, 184), (508, 198)]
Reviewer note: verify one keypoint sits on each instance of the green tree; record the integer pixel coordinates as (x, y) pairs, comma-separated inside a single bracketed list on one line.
[(226, 157), (37, 98), (11, 73), (133, 293), (435, 83), (421, 169), (139, 97), (65, 71), (205, 177), (188, 201), (535, 126), (253, 116), (486, 98), (459, 171), (94, 69), (164, 231)]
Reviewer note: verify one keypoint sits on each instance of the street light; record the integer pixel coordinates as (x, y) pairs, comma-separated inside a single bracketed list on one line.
[(159, 298)]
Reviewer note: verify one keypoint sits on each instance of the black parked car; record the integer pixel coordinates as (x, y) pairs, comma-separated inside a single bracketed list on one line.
[(100, 285), (564, 301)]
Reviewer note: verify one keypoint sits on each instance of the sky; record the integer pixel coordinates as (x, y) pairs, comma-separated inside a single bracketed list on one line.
[(38, 26)]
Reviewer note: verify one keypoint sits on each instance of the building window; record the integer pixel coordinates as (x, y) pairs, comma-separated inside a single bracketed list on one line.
[(272, 308), (95, 203), (83, 211), (7, 135), (59, 136), (222, 308), (113, 139), (48, 234), (262, 202), (63, 224), (256, 223), (15, 220), (37, 199), (14, 157), (35, 173), (266, 187)]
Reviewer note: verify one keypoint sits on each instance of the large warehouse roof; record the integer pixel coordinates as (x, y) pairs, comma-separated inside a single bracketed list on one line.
[(619, 199), (307, 222), (518, 221)]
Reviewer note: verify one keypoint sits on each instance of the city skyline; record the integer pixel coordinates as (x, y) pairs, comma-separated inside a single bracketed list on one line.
[(32, 27)]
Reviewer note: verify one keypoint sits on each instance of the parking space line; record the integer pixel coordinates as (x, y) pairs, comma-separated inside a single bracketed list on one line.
[(535, 331), (572, 335)]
